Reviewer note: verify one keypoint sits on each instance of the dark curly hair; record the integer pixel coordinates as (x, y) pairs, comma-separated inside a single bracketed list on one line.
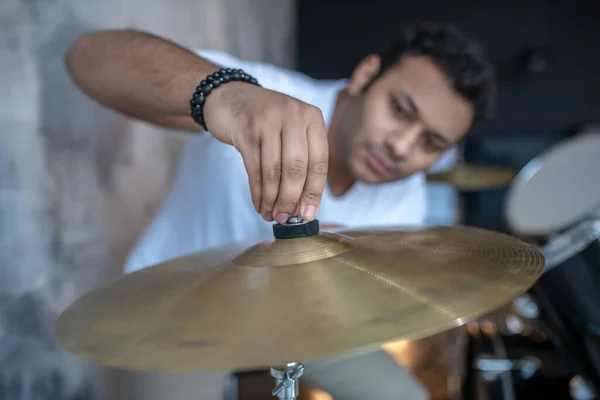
[(460, 57)]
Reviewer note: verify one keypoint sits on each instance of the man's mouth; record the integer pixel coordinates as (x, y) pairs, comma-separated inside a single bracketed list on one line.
[(378, 165)]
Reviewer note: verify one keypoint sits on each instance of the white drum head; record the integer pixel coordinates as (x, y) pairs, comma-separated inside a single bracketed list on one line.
[(556, 189)]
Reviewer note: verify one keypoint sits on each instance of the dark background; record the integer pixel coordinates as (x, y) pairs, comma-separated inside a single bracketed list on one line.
[(547, 55)]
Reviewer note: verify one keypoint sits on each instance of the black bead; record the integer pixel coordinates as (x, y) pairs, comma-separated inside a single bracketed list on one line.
[(212, 81), (206, 89), (201, 122)]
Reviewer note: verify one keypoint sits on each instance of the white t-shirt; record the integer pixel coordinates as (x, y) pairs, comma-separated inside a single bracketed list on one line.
[(210, 203)]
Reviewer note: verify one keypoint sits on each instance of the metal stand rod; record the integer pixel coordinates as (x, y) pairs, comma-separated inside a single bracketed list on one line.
[(286, 380)]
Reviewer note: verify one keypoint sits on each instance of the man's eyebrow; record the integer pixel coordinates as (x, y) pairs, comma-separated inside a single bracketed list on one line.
[(409, 101), (441, 138)]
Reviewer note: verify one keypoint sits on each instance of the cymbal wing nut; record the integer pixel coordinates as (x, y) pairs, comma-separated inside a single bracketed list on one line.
[(286, 381)]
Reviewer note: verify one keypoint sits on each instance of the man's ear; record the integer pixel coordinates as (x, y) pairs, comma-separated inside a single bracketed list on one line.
[(364, 73)]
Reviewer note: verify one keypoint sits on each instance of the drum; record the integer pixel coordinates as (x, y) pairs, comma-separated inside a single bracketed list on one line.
[(567, 298), (557, 189)]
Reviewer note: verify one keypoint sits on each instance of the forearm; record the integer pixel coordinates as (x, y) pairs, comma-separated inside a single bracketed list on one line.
[(138, 74)]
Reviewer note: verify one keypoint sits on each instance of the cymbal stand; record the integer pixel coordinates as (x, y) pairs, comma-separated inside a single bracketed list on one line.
[(286, 380), (287, 375)]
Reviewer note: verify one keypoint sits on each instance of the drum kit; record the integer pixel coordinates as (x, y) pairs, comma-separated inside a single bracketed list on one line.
[(556, 196), (306, 294)]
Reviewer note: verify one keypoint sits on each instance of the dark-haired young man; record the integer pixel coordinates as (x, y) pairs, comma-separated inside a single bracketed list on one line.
[(351, 150)]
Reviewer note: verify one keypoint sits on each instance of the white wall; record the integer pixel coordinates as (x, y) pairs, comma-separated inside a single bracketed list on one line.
[(78, 182)]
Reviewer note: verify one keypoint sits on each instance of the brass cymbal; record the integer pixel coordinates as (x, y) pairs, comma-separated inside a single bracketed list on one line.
[(249, 306), (468, 177)]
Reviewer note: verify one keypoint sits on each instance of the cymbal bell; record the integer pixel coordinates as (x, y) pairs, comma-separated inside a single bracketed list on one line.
[(249, 306)]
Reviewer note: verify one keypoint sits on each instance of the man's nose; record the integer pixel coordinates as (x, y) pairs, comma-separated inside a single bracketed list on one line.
[(401, 143)]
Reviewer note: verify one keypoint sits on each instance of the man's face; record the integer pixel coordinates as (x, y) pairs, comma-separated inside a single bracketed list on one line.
[(404, 121)]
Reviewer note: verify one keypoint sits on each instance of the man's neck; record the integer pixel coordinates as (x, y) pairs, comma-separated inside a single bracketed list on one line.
[(339, 178)]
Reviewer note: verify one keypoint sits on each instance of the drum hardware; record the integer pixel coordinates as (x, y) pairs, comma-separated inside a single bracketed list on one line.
[(580, 390), (566, 245), (228, 308), (286, 380), (526, 307), (506, 336), (514, 325), (492, 367), (505, 377), (545, 200), (545, 374), (568, 340), (567, 299)]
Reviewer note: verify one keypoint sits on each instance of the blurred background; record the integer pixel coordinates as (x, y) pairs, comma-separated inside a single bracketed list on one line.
[(78, 183)]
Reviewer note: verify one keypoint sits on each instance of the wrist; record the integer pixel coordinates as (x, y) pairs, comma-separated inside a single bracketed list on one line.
[(216, 83), (219, 103)]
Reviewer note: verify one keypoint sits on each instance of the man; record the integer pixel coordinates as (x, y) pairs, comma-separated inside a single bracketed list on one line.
[(351, 152)]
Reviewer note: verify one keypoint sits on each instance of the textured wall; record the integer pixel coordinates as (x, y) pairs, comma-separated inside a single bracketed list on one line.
[(78, 182)]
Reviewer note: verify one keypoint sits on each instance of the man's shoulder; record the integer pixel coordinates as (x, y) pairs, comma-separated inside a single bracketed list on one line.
[(284, 80)]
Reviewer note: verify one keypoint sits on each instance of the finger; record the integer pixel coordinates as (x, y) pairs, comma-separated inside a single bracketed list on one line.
[(294, 149), (271, 172), (318, 164), (251, 156)]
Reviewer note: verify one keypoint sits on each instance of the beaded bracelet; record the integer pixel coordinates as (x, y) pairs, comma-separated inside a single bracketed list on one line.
[(211, 82)]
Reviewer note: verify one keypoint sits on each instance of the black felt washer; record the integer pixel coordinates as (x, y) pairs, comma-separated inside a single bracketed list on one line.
[(292, 231)]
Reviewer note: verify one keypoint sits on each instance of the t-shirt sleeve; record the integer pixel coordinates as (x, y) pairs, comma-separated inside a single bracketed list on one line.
[(269, 76)]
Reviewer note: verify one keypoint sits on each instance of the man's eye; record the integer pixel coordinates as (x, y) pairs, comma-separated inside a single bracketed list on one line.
[(431, 144), (398, 107)]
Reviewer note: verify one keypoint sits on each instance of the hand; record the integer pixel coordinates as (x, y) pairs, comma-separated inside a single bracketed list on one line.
[(283, 143)]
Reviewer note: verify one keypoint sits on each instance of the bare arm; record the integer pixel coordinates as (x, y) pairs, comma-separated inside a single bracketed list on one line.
[(281, 139), (138, 74)]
